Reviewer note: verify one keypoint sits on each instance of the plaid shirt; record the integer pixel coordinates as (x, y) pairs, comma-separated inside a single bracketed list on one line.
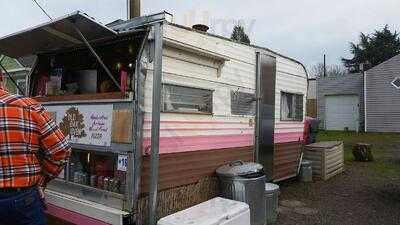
[(33, 150)]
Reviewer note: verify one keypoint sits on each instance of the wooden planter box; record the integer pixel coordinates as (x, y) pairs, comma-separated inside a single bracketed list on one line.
[(327, 159)]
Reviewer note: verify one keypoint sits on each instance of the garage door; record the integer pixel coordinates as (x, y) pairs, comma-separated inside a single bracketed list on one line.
[(341, 112)]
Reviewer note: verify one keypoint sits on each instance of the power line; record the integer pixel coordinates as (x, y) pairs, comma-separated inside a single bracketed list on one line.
[(44, 11)]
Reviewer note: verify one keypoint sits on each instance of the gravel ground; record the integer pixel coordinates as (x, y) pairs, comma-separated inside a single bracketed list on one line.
[(366, 193)]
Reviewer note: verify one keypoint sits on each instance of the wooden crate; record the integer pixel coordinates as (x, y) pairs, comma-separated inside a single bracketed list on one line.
[(327, 159)]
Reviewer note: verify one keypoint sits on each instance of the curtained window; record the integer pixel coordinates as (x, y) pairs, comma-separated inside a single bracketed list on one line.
[(291, 107)]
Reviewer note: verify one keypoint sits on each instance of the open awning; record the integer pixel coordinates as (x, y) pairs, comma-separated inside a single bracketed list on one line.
[(55, 35)]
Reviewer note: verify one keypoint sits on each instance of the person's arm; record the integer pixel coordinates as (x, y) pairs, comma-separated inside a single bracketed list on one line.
[(55, 149)]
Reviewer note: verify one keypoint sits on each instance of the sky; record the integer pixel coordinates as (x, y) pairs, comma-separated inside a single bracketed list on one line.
[(301, 29)]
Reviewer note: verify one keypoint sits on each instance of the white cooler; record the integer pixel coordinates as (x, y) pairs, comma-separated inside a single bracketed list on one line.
[(217, 211)]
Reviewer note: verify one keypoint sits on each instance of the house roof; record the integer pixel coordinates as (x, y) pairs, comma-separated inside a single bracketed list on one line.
[(392, 60)]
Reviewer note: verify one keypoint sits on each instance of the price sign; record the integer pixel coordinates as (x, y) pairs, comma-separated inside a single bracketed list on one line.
[(122, 163)]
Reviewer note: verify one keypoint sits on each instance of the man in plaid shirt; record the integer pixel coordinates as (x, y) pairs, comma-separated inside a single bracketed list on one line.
[(33, 151)]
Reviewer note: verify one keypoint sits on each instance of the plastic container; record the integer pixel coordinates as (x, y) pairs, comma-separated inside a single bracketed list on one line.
[(306, 174), (272, 202), (217, 211), (245, 182)]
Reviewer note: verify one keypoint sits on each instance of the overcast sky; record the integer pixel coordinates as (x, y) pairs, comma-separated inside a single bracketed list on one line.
[(302, 29)]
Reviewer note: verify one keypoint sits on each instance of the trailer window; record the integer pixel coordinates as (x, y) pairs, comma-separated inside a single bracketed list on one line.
[(242, 103), (291, 107), (186, 99)]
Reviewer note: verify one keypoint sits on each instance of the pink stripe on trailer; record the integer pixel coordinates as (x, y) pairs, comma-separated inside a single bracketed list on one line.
[(208, 142), (199, 143)]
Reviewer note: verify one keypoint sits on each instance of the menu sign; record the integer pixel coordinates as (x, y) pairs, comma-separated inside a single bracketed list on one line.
[(84, 124)]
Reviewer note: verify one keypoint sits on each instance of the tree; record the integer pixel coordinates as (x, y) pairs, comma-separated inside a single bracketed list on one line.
[(331, 70), (239, 35), (373, 49), (72, 124)]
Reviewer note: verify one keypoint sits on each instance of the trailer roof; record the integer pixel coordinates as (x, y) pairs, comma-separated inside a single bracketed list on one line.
[(54, 35), (59, 34)]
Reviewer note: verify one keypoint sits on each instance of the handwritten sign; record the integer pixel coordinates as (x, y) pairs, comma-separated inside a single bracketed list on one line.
[(85, 124)]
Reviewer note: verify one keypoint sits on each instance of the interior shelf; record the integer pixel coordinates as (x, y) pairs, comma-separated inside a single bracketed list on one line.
[(98, 96)]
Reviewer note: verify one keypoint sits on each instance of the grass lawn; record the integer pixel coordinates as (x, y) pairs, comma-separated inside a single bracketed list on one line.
[(384, 145)]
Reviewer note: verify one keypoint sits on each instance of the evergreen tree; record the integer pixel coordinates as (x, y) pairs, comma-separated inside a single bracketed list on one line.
[(239, 35), (373, 49)]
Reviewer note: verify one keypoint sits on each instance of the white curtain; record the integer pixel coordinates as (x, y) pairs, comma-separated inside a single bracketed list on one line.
[(286, 106), (167, 99)]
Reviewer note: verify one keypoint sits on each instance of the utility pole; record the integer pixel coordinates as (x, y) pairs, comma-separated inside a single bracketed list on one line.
[(133, 8), (324, 65)]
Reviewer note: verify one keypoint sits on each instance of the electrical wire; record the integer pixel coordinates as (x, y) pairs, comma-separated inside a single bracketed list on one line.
[(44, 11)]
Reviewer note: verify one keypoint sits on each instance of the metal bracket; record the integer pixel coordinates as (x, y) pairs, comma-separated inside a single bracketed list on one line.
[(96, 56)]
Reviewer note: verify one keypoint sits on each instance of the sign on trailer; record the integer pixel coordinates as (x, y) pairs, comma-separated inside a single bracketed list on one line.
[(84, 124)]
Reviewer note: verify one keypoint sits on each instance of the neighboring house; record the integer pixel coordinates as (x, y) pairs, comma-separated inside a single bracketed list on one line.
[(17, 70), (383, 97), (340, 102), (312, 98)]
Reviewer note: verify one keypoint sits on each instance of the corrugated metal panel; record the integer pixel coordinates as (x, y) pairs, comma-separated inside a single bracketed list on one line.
[(383, 108), (54, 35), (180, 169), (351, 84)]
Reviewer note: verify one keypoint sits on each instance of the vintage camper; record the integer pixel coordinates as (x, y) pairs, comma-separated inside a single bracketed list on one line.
[(152, 108)]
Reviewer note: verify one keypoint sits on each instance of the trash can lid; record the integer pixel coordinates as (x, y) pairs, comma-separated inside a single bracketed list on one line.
[(239, 168), (306, 163), (271, 188)]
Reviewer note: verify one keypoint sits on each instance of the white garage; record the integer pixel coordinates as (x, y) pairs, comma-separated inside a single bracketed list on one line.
[(341, 112)]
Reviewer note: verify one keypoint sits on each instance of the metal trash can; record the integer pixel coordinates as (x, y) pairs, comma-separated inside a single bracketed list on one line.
[(306, 174), (245, 182), (272, 202)]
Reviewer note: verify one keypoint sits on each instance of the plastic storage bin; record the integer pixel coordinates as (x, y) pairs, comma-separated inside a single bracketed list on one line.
[(245, 182), (217, 211)]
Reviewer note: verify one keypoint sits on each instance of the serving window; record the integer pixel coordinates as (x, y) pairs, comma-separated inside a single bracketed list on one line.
[(77, 72)]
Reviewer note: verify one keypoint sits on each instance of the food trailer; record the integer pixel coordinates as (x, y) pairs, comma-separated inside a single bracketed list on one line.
[(152, 108)]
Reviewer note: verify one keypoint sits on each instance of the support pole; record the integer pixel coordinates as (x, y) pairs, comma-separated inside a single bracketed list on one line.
[(257, 119), (155, 123), (137, 127), (96, 56)]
